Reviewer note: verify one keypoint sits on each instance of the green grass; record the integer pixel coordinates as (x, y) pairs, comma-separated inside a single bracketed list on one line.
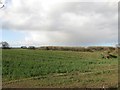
[(60, 68)]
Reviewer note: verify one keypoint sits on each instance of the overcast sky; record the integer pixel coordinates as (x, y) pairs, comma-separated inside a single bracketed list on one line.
[(59, 22)]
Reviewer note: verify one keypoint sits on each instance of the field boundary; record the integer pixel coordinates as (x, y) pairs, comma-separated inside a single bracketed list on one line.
[(60, 74)]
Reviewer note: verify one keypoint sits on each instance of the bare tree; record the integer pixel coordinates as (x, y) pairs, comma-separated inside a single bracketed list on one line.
[(1, 5), (4, 45)]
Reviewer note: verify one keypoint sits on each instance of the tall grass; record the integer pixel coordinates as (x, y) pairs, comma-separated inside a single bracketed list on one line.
[(18, 63)]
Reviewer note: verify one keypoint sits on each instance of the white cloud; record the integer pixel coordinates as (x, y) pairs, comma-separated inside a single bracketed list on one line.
[(68, 23), (72, 19)]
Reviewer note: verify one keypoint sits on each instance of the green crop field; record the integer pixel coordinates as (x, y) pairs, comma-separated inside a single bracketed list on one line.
[(42, 68)]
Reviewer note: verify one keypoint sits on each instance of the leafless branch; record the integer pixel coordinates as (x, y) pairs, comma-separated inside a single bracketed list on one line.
[(2, 6)]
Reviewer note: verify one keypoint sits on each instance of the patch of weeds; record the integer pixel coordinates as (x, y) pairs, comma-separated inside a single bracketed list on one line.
[(99, 80), (98, 73)]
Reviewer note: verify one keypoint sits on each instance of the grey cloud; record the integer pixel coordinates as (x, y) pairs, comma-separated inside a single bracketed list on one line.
[(101, 29), (72, 23)]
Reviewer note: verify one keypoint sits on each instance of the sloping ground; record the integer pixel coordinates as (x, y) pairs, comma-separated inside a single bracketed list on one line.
[(39, 68)]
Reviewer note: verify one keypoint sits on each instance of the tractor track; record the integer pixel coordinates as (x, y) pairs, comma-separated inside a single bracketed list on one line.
[(60, 74)]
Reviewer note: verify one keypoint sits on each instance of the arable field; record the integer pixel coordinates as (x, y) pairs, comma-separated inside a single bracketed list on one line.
[(70, 69)]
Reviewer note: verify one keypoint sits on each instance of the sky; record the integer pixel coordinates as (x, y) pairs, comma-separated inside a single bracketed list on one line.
[(59, 22)]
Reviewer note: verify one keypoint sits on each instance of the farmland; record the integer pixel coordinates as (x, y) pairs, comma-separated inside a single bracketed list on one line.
[(49, 68)]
